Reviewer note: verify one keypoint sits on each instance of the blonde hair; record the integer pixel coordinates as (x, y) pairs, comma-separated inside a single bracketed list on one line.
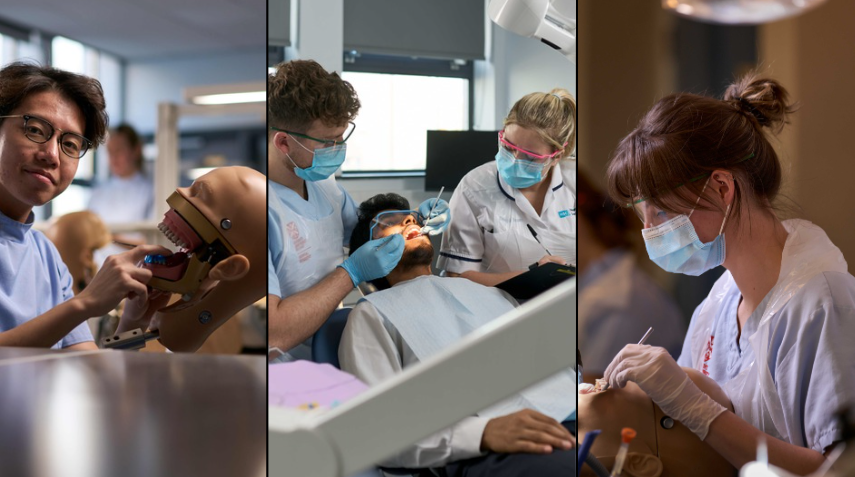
[(552, 115)]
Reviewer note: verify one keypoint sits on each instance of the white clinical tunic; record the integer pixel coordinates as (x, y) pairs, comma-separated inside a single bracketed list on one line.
[(306, 239), (33, 279), (393, 329), (618, 303), (489, 227), (793, 365), (123, 200)]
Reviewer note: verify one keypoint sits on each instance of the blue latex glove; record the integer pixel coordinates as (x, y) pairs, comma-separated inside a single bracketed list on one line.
[(374, 259), (439, 219)]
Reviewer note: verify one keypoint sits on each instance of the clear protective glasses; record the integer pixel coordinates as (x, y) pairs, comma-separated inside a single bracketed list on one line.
[(325, 143), (394, 218), (40, 131), (650, 214), (520, 153)]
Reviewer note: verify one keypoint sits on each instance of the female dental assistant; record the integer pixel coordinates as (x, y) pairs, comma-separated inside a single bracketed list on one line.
[(310, 216), (49, 119), (776, 330), (530, 189)]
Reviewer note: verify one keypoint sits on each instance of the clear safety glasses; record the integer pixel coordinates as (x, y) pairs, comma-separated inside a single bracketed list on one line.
[(394, 218), (520, 153), (40, 131), (650, 214)]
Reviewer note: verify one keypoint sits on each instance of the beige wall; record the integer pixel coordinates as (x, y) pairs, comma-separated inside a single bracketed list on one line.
[(624, 67), (626, 64), (814, 57)]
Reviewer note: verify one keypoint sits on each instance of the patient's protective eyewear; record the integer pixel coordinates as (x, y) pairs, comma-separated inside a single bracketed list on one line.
[(393, 218)]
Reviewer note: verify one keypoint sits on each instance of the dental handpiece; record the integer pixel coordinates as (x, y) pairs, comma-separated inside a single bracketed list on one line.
[(422, 231)]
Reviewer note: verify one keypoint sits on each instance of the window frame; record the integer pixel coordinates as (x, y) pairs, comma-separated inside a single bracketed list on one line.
[(355, 62)]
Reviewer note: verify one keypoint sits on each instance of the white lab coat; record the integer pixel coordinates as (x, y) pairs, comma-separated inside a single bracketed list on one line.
[(488, 230), (792, 366), (119, 200)]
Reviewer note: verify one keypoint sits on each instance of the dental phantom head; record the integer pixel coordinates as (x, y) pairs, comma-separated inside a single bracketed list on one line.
[(662, 447), (219, 224), (77, 236), (201, 246)]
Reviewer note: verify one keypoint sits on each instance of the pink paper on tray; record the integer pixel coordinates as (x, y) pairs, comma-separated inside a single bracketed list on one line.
[(298, 383)]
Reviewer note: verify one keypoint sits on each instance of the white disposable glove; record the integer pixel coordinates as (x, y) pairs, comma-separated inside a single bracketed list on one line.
[(656, 372)]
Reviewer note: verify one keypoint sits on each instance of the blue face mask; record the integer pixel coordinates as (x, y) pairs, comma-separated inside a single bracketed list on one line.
[(518, 174), (324, 162), (676, 248)]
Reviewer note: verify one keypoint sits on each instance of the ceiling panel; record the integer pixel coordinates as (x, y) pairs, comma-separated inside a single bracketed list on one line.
[(136, 30)]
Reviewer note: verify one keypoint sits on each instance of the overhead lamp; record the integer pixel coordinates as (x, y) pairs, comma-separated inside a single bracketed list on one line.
[(553, 22), (237, 93), (739, 12)]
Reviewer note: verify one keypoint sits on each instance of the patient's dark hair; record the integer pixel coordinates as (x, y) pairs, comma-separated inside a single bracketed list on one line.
[(367, 211)]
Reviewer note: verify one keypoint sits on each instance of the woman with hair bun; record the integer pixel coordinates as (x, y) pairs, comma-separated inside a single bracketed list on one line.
[(776, 330), (529, 189)]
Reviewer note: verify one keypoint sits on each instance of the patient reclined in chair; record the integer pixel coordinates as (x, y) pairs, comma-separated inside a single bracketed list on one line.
[(662, 447)]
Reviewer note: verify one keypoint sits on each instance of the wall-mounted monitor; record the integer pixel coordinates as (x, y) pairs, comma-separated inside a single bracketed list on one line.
[(451, 154)]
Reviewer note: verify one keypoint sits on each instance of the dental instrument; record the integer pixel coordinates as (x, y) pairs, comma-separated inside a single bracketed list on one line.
[(585, 449), (627, 434), (602, 384), (422, 231), (124, 244)]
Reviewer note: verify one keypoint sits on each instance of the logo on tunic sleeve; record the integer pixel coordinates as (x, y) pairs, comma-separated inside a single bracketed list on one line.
[(707, 355), (563, 213)]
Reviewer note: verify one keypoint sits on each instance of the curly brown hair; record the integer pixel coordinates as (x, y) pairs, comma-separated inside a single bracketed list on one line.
[(19, 80), (301, 91)]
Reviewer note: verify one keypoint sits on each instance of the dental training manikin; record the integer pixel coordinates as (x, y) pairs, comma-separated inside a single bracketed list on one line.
[(218, 223), (77, 236), (663, 447)]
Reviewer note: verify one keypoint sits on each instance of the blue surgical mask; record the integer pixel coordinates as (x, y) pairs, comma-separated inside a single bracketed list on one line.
[(675, 246), (517, 173), (324, 162)]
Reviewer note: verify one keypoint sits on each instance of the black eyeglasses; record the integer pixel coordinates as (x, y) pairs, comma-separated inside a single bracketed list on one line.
[(326, 142), (40, 131)]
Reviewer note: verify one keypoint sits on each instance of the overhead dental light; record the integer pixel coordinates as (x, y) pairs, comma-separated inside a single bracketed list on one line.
[(553, 22), (740, 12), (238, 93)]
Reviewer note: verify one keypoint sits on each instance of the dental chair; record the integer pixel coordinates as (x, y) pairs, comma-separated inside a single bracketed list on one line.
[(326, 340)]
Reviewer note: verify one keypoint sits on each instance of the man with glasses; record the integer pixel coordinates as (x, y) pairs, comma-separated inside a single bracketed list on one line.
[(310, 216), (49, 119)]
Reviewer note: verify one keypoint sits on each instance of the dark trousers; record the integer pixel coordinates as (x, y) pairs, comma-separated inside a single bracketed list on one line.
[(560, 463)]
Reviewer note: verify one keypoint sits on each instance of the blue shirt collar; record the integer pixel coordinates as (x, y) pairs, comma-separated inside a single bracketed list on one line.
[(13, 230)]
